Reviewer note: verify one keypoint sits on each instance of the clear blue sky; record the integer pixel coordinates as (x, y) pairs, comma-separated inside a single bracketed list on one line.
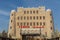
[(7, 5)]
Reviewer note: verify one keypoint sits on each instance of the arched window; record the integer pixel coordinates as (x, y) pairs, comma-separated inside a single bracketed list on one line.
[(33, 11), (34, 17), (24, 12), (30, 12), (43, 17), (37, 11)]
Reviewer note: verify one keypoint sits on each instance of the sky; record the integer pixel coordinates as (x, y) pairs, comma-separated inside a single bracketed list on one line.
[(7, 5)]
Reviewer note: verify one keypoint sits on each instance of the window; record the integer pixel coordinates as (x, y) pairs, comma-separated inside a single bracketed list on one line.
[(40, 23), (51, 28), (33, 17), (27, 23), (11, 21), (24, 17), (34, 23), (10, 27), (43, 23), (30, 23), (37, 23), (37, 17), (27, 17), (21, 24), (43, 17), (17, 23), (37, 11), (12, 14), (24, 12), (21, 17), (51, 21), (40, 17), (18, 18), (27, 12), (31, 12), (30, 17), (50, 14), (24, 23)]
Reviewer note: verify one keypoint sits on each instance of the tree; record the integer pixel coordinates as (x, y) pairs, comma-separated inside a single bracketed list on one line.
[(0, 34), (4, 34), (56, 33)]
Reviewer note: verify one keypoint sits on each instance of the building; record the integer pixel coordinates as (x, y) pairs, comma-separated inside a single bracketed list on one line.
[(30, 21)]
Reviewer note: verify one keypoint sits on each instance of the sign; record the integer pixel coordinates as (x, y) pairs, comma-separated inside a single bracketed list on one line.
[(38, 27), (30, 31), (24, 27), (31, 27)]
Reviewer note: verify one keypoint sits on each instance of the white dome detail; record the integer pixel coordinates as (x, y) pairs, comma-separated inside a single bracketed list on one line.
[(48, 9), (12, 11)]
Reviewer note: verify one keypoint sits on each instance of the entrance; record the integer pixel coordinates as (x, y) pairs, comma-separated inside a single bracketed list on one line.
[(29, 37), (24, 37)]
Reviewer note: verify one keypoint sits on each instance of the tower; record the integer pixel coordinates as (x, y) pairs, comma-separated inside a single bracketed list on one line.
[(12, 24)]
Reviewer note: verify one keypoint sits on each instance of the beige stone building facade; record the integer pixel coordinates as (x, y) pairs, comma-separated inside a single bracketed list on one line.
[(30, 21)]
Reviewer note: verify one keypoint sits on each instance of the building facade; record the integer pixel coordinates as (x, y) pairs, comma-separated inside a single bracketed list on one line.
[(26, 21)]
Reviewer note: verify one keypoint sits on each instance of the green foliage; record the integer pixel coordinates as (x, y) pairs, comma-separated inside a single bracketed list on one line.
[(4, 34), (0, 34), (56, 33)]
